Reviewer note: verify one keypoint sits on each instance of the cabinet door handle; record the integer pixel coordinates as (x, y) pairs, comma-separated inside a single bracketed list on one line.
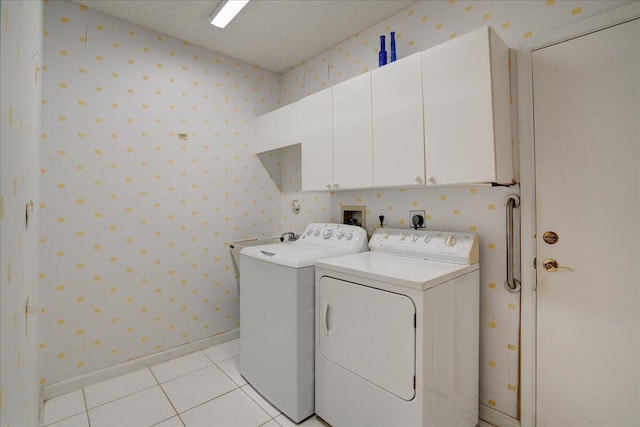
[(431, 179), (417, 179), (328, 186), (335, 186)]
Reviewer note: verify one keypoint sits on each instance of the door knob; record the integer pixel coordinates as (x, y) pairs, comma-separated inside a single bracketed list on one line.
[(551, 265)]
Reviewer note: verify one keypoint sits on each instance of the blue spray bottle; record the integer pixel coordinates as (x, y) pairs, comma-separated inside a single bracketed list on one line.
[(382, 56)]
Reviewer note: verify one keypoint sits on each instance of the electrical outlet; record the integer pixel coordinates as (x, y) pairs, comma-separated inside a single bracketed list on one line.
[(421, 213), (382, 213)]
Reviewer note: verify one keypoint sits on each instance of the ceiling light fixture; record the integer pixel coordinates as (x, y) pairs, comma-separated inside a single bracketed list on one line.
[(226, 12)]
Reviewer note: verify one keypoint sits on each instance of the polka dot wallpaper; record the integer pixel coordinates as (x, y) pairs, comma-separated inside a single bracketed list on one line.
[(479, 209), (21, 75), (147, 173)]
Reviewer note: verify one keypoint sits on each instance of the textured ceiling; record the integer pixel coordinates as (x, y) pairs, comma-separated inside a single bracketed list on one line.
[(272, 34)]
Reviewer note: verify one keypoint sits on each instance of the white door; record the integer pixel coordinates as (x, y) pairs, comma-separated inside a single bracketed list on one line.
[(587, 138)]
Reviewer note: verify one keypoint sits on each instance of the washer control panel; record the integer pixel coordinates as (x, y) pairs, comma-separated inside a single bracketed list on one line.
[(334, 235), (456, 247)]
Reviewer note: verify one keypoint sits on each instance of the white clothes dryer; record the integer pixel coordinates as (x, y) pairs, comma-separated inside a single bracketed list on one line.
[(397, 332), (277, 313)]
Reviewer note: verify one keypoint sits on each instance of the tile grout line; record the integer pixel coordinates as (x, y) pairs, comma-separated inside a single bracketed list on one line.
[(240, 386), (253, 400), (69, 416), (210, 400), (216, 363), (123, 396), (168, 399), (86, 409), (185, 374)]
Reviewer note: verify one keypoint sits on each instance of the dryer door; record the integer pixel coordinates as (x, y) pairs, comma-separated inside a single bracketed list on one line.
[(369, 332)]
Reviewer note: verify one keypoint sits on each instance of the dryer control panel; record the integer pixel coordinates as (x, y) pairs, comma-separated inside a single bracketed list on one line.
[(455, 247)]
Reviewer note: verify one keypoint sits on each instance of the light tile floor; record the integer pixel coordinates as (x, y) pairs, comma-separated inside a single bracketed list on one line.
[(202, 389)]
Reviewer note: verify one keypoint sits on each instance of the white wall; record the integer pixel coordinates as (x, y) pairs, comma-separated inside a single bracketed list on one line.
[(133, 255), (480, 209), (21, 60)]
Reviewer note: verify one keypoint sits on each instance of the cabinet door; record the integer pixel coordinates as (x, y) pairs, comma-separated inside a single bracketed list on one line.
[(398, 141), (316, 135), (461, 117), (352, 139)]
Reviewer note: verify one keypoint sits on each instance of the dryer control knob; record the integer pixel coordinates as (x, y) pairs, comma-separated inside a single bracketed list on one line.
[(316, 233), (327, 233), (349, 236), (451, 240), (403, 236), (427, 239), (309, 232), (385, 235), (414, 237), (340, 235)]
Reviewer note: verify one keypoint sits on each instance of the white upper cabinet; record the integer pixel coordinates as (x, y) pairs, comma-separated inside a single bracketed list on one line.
[(314, 119), (398, 141), (467, 125), (352, 148), (278, 128), (336, 140), (438, 117)]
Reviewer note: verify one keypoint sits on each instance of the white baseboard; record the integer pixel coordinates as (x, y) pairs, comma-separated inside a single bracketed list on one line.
[(491, 417), (76, 383)]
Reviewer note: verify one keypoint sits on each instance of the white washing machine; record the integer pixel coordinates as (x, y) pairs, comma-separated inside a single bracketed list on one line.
[(277, 313), (397, 332)]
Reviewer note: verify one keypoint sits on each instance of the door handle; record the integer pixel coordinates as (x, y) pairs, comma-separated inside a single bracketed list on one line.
[(325, 315), (551, 265)]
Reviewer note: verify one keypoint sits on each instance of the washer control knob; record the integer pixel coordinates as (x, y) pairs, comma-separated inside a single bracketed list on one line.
[(327, 233), (451, 240), (316, 233), (349, 236), (309, 232), (385, 235), (403, 236), (427, 239), (414, 237), (340, 235)]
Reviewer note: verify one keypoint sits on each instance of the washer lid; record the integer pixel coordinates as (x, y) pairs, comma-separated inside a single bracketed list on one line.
[(399, 270), (291, 254)]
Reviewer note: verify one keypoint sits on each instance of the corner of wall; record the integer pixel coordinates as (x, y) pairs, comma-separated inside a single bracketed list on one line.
[(21, 82)]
